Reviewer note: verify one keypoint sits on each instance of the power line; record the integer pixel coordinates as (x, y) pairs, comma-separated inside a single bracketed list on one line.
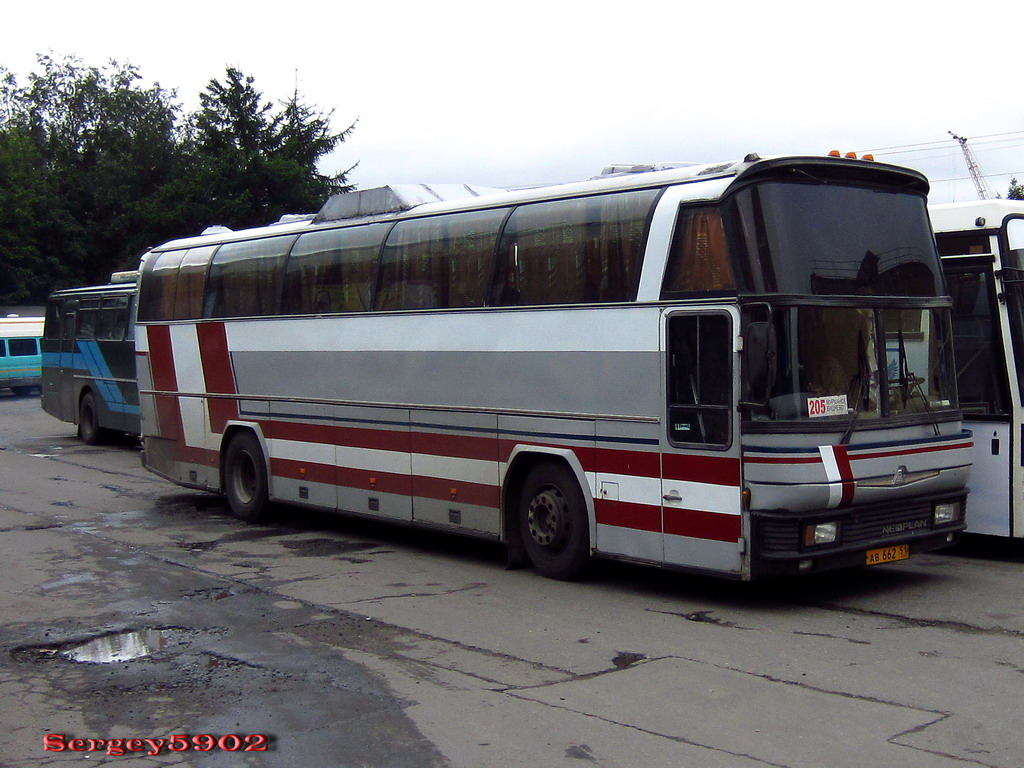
[(937, 144)]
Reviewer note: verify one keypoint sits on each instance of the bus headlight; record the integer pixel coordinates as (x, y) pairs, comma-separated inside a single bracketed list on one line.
[(947, 512), (816, 534)]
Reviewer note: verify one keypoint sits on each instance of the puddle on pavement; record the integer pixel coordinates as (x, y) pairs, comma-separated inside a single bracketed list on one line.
[(124, 646), (115, 647)]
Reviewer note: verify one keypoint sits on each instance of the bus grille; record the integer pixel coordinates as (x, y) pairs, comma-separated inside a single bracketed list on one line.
[(779, 534)]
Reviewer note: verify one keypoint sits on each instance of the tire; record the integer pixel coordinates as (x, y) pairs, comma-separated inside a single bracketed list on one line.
[(553, 522), (89, 430), (245, 478)]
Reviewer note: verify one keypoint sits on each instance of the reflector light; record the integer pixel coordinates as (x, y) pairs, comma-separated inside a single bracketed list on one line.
[(834, 153)]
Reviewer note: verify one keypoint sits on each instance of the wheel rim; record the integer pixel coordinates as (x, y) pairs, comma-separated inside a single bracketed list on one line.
[(245, 478), (548, 518)]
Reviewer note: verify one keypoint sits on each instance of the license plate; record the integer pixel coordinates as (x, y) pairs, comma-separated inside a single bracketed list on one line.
[(888, 554)]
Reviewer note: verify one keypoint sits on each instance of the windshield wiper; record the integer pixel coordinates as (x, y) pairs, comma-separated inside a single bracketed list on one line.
[(863, 378)]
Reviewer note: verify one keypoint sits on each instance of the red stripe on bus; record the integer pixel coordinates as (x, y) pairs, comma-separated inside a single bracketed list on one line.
[(622, 514), (161, 358), (215, 358), (696, 524), (912, 451), (455, 446), (456, 491), (365, 479), (855, 456), (782, 459), (168, 418), (716, 470), (845, 473), (222, 410), (635, 463), (385, 482), (350, 437)]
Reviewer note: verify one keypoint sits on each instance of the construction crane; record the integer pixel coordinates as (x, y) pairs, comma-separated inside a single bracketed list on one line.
[(984, 193)]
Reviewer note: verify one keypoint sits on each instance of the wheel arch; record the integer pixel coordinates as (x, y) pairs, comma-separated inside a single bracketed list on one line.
[(522, 459), (233, 428)]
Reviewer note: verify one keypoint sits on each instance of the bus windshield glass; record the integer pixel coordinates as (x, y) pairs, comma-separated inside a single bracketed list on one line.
[(830, 240), (859, 363)]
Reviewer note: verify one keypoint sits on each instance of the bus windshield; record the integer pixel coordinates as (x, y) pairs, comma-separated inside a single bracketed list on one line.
[(860, 363), (829, 240)]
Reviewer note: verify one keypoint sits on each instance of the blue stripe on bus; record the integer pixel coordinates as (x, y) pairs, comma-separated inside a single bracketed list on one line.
[(90, 359)]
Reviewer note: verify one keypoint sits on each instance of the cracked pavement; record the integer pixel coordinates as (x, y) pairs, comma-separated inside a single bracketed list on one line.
[(351, 643)]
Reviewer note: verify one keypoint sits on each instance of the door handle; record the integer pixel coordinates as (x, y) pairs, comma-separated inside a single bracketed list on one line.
[(672, 496)]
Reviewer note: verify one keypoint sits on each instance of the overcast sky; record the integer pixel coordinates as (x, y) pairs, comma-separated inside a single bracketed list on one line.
[(528, 92)]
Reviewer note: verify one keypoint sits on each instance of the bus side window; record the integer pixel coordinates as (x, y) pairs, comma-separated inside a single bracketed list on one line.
[(699, 258), (442, 262), (245, 278), (156, 301), (577, 251), (88, 317), (191, 282), (51, 327), (699, 379), (113, 319), (333, 270)]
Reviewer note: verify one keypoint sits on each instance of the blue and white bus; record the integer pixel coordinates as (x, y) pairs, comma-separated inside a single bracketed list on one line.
[(89, 358)]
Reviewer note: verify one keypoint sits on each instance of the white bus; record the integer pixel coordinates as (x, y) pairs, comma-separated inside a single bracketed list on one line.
[(740, 369), (982, 249)]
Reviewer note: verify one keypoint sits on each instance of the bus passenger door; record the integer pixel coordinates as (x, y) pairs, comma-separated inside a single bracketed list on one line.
[(701, 494), (985, 394)]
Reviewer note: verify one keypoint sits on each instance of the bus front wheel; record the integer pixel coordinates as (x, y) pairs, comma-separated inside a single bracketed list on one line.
[(553, 522), (245, 478)]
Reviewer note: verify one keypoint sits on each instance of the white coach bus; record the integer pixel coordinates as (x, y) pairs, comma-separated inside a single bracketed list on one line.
[(741, 369), (982, 248)]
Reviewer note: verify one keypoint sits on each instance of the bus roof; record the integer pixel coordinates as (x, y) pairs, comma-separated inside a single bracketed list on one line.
[(973, 214), (407, 200), (92, 290), (20, 327)]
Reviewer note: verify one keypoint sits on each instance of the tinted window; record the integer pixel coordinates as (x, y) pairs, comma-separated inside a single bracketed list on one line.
[(698, 261), (333, 270), (113, 319), (815, 239), (700, 379), (88, 319), (439, 262), (159, 281), (191, 282), (23, 347), (245, 278), (962, 243), (574, 251)]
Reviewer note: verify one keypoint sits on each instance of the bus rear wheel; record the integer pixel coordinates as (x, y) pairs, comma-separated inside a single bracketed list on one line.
[(553, 522), (245, 478), (89, 430)]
